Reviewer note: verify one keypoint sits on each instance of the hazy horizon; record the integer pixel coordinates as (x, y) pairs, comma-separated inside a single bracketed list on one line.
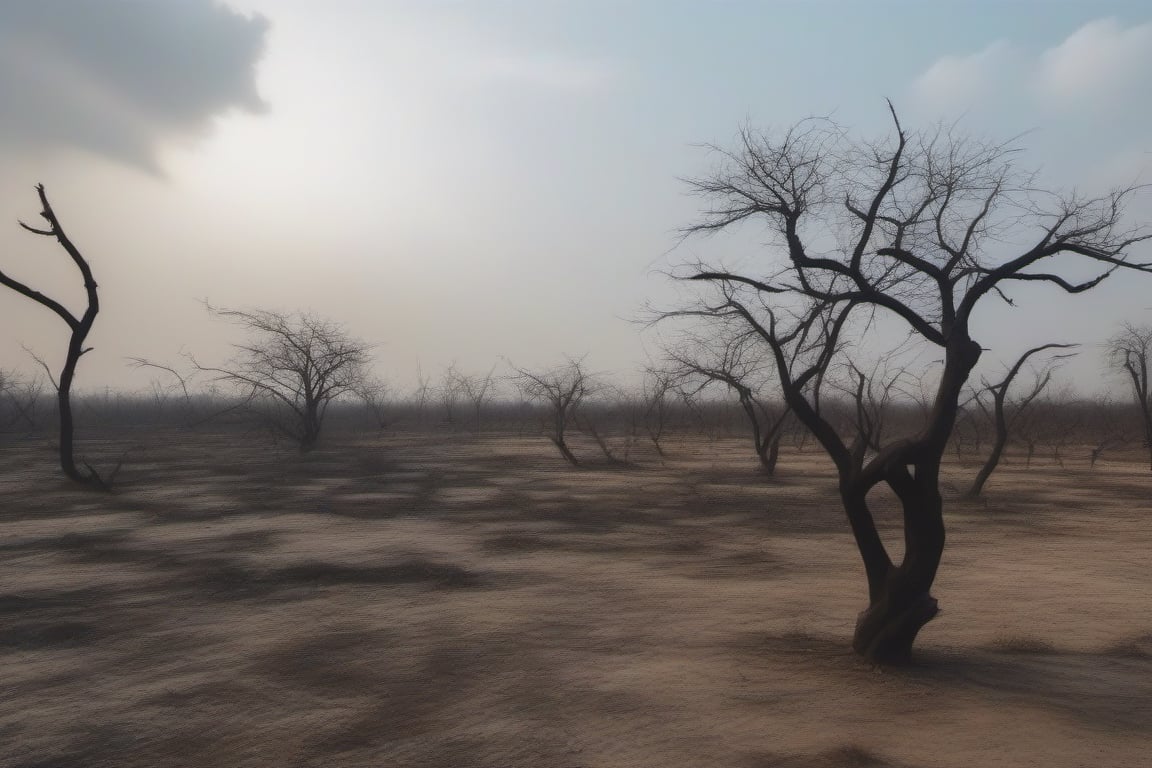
[(470, 182)]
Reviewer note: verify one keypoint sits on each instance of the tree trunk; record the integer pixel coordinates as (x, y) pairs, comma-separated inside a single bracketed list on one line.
[(310, 432), (67, 448), (64, 401), (887, 629), (989, 466), (657, 446), (564, 451), (1148, 436), (769, 453), (900, 599)]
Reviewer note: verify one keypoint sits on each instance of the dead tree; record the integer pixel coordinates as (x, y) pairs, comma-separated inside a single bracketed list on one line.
[(420, 396), (21, 398), (474, 388), (918, 227), (1109, 426), (373, 393), (449, 393), (562, 389), (79, 326), (738, 366), (1005, 420), (295, 366), (656, 404), (1128, 353)]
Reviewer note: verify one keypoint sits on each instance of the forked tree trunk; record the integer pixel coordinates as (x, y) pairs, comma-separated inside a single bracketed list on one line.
[(900, 600), (768, 451)]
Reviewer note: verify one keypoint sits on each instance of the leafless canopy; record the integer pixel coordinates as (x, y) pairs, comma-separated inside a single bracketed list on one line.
[(919, 227), (298, 363)]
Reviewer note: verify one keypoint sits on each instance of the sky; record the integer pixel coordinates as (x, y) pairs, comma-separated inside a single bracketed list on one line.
[(472, 182)]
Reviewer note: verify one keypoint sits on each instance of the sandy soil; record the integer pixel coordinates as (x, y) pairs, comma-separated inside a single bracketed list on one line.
[(474, 602)]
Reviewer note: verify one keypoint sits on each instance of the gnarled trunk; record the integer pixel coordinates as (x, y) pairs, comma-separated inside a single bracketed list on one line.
[(900, 600)]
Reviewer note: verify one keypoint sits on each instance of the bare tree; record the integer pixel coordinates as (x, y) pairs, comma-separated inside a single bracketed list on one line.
[(915, 227), (739, 365), (195, 405), (79, 326), (1004, 418), (19, 398), (1059, 417), (656, 394), (1108, 428), (1128, 353), (296, 365), (450, 392), (421, 394), (373, 393), (476, 389), (562, 389)]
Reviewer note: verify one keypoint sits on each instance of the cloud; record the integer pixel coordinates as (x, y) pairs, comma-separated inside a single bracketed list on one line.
[(959, 82), (1102, 64), (1101, 61), (119, 77)]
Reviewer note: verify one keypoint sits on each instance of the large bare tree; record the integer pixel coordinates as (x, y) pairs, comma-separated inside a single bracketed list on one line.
[(79, 326), (296, 365), (915, 229), (1128, 353)]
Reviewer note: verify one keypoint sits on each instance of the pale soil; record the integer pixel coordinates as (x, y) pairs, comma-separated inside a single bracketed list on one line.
[(427, 601)]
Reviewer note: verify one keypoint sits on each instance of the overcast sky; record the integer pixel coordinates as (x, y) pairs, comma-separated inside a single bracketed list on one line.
[(466, 181)]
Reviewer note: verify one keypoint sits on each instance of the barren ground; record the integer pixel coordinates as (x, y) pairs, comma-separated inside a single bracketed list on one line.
[(443, 601)]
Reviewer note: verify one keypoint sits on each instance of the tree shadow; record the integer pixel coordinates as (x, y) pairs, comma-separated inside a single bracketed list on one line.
[(847, 756), (1103, 689)]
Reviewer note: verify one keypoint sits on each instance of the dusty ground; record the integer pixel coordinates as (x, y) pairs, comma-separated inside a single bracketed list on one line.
[(420, 602)]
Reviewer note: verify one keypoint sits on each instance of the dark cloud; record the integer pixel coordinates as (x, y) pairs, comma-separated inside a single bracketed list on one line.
[(116, 77)]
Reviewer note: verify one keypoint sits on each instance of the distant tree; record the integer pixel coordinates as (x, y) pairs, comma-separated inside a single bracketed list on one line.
[(80, 327), (476, 389), (1060, 415), (450, 393), (295, 365), (1003, 417), (19, 398), (1108, 427), (373, 394), (1128, 353), (919, 228), (562, 389), (421, 395), (656, 398), (739, 365)]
